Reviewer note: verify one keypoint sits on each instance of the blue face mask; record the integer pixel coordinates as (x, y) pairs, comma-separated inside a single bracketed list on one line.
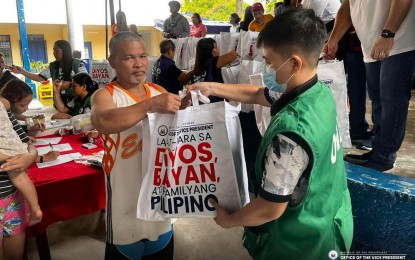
[(270, 82)]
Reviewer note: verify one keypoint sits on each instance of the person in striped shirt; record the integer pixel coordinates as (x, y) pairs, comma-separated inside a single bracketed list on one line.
[(15, 189), (19, 95)]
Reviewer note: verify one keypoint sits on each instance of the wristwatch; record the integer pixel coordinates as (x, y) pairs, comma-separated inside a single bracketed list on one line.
[(387, 34)]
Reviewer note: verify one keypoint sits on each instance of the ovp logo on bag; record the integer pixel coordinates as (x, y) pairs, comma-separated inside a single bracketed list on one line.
[(163, 130)]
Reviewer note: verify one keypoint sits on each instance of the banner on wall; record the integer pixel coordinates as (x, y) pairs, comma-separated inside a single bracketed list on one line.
[(102, 72)]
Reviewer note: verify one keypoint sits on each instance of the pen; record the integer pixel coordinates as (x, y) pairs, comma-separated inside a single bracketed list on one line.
[(40, 126), (51, 147), (36, 117)]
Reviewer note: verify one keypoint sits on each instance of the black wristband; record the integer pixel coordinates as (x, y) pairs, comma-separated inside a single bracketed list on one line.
[(41, 159), (387, 34)]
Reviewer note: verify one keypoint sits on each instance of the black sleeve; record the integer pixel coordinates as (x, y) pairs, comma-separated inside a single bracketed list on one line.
[(173, 72), (267, 96), (43, 77), (17, 127)]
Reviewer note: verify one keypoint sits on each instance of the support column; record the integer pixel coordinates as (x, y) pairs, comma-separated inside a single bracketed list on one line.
[(239, 10), (24, 45), (75, 28)]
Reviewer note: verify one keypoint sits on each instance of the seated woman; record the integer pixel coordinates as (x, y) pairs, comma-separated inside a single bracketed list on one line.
[(61, 70), (198, 29), (208, 63), (83, 87)]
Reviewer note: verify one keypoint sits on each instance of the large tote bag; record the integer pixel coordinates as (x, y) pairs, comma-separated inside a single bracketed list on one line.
[(230, 74), (248, 49), (181, 45), (189, 54), (332, 74), (229, 42), (250, 67), (191, 157)]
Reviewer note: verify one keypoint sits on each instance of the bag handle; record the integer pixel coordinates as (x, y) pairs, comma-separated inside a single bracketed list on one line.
[(321, 61), (196, 96)]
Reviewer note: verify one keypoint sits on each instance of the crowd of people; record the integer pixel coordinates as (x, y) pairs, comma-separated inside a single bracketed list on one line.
[(349, 50), (296, 169), (286, 48)]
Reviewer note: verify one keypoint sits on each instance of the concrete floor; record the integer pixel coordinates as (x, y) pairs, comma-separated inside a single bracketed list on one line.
[(83, 237), (405, 163)]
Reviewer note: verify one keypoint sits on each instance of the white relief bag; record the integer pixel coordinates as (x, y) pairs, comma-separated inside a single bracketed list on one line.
[(217, 39), (230, 74), (191, 157), (250, 67), (189, 54), (229, 42), (239, 47), (249, 51), (332, 74), (181, 45), (262, 114)]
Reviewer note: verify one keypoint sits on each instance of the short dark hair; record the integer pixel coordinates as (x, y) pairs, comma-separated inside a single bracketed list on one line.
[(76, 54), (197, 16), (15, 90), (174, 4), (298, 30), (166, 45), (235, 16), (85, 79), (278, 4)]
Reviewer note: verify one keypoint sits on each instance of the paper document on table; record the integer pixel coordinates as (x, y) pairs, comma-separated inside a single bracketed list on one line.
[(61, 159), (46, 141), (57, 148)]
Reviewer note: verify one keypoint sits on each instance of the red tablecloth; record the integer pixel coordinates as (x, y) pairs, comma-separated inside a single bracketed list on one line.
[(68, 190)]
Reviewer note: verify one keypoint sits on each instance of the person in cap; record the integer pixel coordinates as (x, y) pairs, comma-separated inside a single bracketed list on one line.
[(260, 20), (176, 26)]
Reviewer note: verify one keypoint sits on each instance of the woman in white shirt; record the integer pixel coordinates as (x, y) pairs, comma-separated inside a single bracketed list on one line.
[(325, 9), (234, 20)]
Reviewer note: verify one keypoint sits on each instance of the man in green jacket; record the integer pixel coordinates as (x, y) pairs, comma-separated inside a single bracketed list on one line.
[(302, 208)]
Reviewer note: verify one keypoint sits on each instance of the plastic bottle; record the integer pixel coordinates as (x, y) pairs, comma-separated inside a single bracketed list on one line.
[(76, 127)]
